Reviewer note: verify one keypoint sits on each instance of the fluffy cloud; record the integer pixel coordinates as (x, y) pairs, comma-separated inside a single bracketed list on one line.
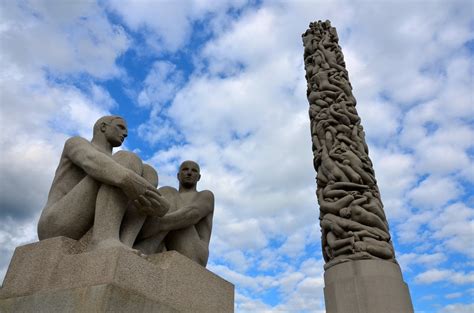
[(242, 114), (168, 25), (458, 308), (435, 192), (408, 260), (63, 37), (455, 227), (453, 295), (436, 275)]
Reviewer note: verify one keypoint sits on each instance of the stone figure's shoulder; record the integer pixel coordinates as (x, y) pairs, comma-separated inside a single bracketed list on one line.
[(76, 141), (168, 191), (206, 194)]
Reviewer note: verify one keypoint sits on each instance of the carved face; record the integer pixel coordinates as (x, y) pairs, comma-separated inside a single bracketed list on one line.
[(188, 174), (115, 132)]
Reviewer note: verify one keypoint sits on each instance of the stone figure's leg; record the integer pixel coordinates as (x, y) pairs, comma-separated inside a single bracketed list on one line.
[(73, 215), (187, 242), (378, 248), (133, 220), (150, 239), (111, 205), (153, 244)]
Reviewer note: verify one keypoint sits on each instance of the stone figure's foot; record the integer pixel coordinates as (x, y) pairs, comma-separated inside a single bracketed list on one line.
[(112, 243)]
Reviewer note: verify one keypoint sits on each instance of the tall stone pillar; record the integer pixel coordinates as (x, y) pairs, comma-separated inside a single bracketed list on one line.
[(361, 272)]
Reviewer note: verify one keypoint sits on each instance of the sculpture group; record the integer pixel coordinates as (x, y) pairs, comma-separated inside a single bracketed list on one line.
[(352, 218), (115, 197)]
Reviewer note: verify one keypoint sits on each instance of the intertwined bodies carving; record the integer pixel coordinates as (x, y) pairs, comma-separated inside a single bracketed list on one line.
[(352, 219)]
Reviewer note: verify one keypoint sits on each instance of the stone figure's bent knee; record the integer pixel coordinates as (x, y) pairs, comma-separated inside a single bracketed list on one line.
[(73, 214), (129, 160), (187, 242), (150, 174)]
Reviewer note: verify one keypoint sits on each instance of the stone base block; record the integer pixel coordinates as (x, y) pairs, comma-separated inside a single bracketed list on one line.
[(50, 275), (99, 298), (366, 286)]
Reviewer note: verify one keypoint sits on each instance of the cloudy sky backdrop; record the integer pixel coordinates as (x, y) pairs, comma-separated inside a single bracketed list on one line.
[(222, 82)]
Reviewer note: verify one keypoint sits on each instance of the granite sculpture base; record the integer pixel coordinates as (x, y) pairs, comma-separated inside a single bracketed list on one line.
[(366, 286), (52, 276)]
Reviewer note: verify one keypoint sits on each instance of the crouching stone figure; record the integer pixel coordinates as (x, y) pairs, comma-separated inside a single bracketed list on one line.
[(187, 226), (113, 193)]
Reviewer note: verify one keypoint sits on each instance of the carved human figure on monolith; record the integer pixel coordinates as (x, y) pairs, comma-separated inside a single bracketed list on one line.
[(187, 226), (94, 188)]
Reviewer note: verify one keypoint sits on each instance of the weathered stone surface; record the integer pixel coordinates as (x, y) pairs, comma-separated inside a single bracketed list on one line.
[(99, 298), (366, 286), (168, 279)]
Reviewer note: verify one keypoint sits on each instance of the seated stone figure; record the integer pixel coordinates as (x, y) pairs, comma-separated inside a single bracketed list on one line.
[(94, 188), (187, 226)]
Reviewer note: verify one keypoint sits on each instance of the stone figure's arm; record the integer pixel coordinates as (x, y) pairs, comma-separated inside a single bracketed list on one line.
[(103, 168), (152, 203), (189, 215)]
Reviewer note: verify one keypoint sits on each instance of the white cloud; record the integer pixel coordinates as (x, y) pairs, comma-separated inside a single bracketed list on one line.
[(244, 234), (381, 120), (395, 176), (250, 304), (243, 116), (408, 260), (453, 295), (455, 226), (160, 85), (434, 192), (300, 290), (458, 308), (436, 275), (168, 24), (67, 37), (410, 230)]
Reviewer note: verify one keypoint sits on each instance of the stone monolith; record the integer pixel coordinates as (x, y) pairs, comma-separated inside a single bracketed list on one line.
[(361, 272)]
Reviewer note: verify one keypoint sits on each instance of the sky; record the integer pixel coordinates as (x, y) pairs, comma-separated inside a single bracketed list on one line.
[(222, 83)]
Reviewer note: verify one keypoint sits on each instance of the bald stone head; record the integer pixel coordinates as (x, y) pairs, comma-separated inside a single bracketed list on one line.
[(113, 128), (189, 174)]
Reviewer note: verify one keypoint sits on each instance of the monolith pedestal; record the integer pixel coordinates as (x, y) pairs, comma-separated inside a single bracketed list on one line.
[(53, 276), (361, 271), (366, 286)]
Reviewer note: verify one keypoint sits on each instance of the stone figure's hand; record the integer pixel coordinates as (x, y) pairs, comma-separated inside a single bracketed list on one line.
[(159, 203), (151, 203), (134, 185)]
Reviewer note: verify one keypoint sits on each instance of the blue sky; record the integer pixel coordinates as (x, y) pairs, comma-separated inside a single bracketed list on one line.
[(222, 82)]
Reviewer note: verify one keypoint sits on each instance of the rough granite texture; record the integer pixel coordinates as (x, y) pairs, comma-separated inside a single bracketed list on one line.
[(99, 298), (169, 280)]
